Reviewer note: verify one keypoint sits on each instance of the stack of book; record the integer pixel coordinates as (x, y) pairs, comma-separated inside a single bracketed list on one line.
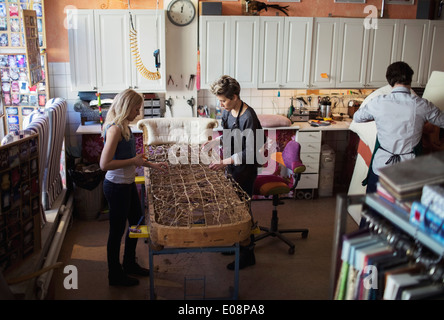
[(403, 182)]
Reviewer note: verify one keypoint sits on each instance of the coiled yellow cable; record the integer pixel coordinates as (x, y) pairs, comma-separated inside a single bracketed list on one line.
[(138, 60)]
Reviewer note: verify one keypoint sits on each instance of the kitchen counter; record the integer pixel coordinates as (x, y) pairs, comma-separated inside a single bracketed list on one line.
[(94, 128), (338, 125)]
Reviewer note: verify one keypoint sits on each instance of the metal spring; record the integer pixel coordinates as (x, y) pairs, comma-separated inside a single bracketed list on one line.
[(138, 60)]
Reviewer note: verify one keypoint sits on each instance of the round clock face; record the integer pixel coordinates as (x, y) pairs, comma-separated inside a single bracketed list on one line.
[(181, 12)]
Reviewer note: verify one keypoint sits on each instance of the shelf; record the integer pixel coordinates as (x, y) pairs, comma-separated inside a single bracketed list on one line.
[(400, 218)]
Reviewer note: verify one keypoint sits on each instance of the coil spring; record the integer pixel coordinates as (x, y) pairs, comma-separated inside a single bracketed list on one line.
[(138, 60)]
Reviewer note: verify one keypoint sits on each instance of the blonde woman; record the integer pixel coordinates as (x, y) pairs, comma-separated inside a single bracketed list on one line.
[(120, 160)]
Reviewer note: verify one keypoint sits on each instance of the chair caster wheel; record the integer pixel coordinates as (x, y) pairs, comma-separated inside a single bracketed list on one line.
[(291, 251), (304, 234)]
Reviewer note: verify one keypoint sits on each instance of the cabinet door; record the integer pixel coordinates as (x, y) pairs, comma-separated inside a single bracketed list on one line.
[(436, 44), (150, 27), (298, 36), (82, 53), (244, 50), (270, 51), (382, 52), (214, 48), (412, 48), (352, 53), (112, 50), (323, 62)]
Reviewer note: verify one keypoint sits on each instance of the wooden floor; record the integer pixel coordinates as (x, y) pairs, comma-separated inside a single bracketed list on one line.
[(277, 275)]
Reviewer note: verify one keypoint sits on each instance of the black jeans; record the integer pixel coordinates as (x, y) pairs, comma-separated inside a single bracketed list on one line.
[(124, 204)]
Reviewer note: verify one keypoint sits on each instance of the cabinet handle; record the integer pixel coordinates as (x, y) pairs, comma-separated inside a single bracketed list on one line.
[(94, 88), (136, 87)]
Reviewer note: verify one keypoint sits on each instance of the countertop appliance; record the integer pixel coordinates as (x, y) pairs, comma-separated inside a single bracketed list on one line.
[(300, 112), (300, 116)]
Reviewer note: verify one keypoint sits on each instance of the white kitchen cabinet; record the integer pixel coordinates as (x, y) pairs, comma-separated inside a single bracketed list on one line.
[(382, 52), (353, 43), (324, 51), (214, 48), (82, 56), (413, 48), (435, 61), (364, 54), (298, 34), (104, 35), (113, 56), (270, 52), (244, 50), (229, 45)]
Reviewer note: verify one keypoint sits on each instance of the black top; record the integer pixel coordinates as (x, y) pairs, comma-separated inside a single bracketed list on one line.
[(242, 135)]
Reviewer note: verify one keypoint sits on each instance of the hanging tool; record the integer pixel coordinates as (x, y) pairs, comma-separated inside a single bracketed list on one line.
[(170, 79), (191, 104), (190, 84), (136, 54), (156, 55), (169, 103)]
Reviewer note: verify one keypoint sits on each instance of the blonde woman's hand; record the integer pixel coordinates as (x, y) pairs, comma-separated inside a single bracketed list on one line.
[(139, 160), (162, 166)]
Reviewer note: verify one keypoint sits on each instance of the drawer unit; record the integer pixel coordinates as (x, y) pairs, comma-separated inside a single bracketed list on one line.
[(311, 167), (308, 181), (311, 161), (151, 108), (309, 136), (310, 142)]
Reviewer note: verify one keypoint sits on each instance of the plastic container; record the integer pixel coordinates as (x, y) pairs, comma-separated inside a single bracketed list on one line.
[(326, 171)]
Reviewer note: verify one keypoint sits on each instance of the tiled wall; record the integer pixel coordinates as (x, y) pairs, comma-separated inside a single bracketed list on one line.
[(60, 86), (278, 101)]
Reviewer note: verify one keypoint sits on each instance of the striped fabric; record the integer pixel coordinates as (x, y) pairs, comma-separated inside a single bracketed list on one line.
[(38, 122), (52, 184)]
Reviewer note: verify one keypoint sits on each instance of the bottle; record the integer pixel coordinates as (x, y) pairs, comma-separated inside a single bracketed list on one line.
[(290, 109)]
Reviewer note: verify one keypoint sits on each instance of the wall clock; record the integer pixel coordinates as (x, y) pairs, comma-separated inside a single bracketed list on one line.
[(181, 12)]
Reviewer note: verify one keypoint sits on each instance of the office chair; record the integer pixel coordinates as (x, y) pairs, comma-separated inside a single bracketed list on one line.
[(271, 185)]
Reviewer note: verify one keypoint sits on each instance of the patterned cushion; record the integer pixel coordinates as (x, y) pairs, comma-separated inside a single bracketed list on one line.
[(176, 130)]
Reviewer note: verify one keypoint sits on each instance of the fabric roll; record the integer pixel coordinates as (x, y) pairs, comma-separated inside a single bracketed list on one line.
[(52, 185), (38, 122)]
